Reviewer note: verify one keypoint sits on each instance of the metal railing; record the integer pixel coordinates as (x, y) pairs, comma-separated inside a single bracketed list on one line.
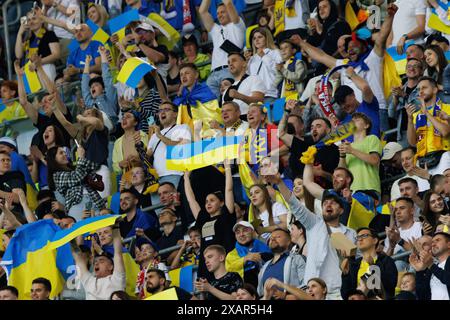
[(6, 26)]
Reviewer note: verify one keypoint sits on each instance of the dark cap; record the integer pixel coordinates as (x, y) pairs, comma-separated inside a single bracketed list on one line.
[(143, 240), (106, 255), (335, 197)]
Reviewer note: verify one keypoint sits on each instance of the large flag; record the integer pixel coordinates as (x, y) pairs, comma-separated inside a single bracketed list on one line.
[(183, 278), (399, 59), (359, 216), (119, 23), (350, 16), (27, 257), (133, 70), (169, 294), (31, 80), (391, 77), (98, 34), (62, 237), (434, 22), (203, 153), (171, 35)]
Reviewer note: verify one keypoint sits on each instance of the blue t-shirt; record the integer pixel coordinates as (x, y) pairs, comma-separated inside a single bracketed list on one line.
[(78, 56), (146, 8), (177, 21), (275, 270), (372, 110)]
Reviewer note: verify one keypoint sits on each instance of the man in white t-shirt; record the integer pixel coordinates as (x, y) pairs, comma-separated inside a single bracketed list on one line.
[(67, 11), (245, 89), (433, 276), (407, 158), (171, 135), (227, 37), (409, 23), (404, 230), (367, 63), (109, 273)]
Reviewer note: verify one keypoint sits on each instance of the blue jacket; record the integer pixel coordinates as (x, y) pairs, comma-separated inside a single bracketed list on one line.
[(107, 102)]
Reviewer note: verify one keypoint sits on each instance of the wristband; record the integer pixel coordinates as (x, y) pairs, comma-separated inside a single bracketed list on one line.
[(401, 243), (287, 110), (405, 36)]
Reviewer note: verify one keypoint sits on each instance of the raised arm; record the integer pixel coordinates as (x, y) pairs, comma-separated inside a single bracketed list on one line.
[(232, 12), (32, 113), (29, 215), (361, 84), (193, 204), (70, 127), (85, 90), (207, 19), (96, 123), (314, 53), (308, 181), (229, 196), (78, 256), (119, 266), (380, 43), (19, 48)]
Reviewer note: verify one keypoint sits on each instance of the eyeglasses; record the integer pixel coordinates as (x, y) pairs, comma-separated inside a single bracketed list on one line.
[(414, 66), (165, 110), (363, 236)]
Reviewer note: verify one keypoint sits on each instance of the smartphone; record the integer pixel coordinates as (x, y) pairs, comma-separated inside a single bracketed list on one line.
[(89, 205), (23, 20), (187, 238), (151, 120)]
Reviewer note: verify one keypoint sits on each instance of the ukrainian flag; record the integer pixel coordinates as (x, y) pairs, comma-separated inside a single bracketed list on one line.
[(434, 22), (350, 16), (119, 23), (171, 35), (28, 257), (359, 216), (169, 294), (133, 70), (183, 277), (399, 59), (31, 80), (98, 34), (203, 153), (80, 228)]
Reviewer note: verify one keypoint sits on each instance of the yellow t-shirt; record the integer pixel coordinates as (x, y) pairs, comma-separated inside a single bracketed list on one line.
[(428, 138), (363, 269), (12, 112)]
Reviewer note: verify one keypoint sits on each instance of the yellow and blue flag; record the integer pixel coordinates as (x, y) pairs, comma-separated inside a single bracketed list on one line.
[(98, 34), (171, 35), (434, 22), (27, 257), (133, 70), (169, 294), (350, 16), (183, 278), (2, 105), (118, 24), (31, 80), (399, 59), (203, 153), (80, 228)]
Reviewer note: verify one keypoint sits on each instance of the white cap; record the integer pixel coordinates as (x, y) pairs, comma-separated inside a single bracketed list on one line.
[(145, 26), (7, 141), (244, 224), (390, 149)]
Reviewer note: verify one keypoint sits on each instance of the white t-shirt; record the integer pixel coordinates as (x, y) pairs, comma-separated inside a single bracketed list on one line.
[(373, 77), (232, 32), (424, 185), (438, 289), (248, 86), (296, 22), (406, 234), (265, 68), (101, 289), (240, 131), (405, 18), (278, 209), (177, 133), (58, 15)]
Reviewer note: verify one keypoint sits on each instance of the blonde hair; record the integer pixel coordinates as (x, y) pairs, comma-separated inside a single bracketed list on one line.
[(101, 10), (269, 38)]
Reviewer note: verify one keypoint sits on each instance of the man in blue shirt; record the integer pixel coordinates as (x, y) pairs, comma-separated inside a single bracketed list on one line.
[(345, 97), (17, 161), (286, 266), (77, 57)]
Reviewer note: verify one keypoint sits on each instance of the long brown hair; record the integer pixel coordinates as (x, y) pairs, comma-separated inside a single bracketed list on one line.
[(442, 63), (267, 202), (96, 113)]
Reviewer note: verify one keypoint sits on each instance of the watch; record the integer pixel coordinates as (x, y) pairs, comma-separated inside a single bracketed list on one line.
[(405, 36)]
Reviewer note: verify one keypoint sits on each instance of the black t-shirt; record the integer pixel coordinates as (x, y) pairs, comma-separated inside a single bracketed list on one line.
[(297, 148), (182, 294), (44, 121), (160, 48), (173, 81), (96, 147), (229, 283), (215, 230), (44, 47), (169, 241), (11, 180)]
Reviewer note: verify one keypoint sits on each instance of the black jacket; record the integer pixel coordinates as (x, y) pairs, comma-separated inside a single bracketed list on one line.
[(388, 276), (423, 289)]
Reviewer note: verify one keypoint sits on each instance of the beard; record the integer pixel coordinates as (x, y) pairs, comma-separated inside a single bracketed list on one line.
[(153, 290), (331, 217), (122, 211), (277, 249)]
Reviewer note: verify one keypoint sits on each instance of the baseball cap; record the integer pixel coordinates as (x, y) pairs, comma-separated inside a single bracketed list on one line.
[(390, 149), (244, 224), (334, 197), (145, 26), (7, 141), (143, 240)]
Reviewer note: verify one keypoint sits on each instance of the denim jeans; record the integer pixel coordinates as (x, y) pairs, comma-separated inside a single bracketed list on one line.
[(215, 78), (384, 120), (445, 95)]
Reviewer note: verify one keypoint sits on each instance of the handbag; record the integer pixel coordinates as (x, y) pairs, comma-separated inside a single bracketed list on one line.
[(95, 181), (431, 159)]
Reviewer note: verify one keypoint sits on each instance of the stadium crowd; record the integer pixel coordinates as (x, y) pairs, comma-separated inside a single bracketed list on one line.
[(342, 186)]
